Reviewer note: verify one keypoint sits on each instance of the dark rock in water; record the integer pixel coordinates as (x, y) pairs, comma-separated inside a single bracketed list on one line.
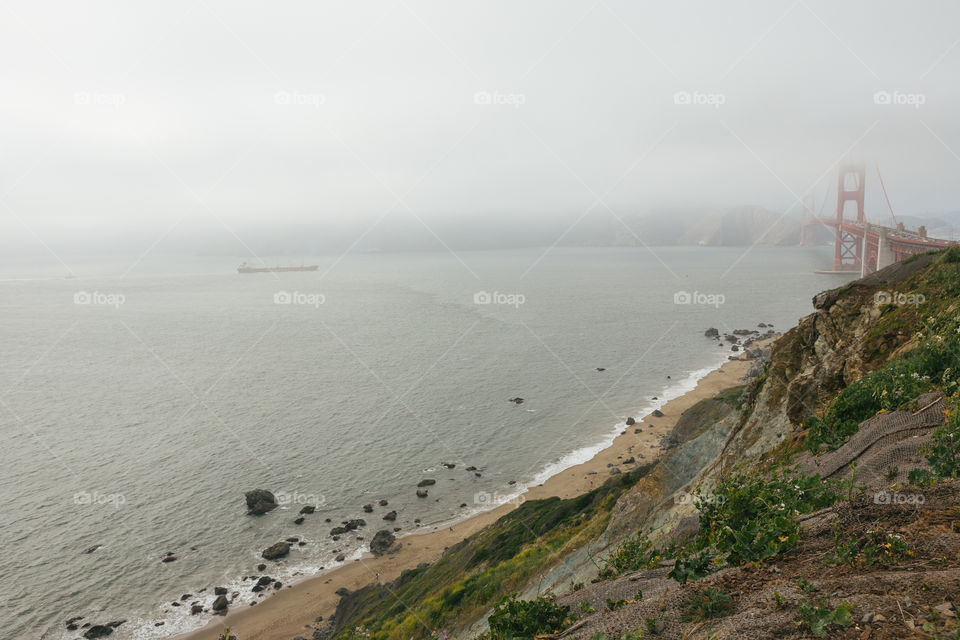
[(355, 524), (383, 542), (340, 558), (421, 493), (257, 588), (278, 585), (259, 501), (195, 609), (601, 369), (294, 539), (220, 604), (383, 503), (741, 332), (390, 516), (463, 504), (478, 474), (339, 531), (368, 508), (276, 551), (72, 627), (219, 591), (298, 520), (711, 333), (261, 567), (426, 482), (115, 623), (395, 529), (731, 338), (98, 631), (174, 604), (734, 348), (631, 422), (762, 325), (93, 548), (657, 413), (186, 597), (74, 620), (471, 468), (516, 400), (168, 559), (301, 544), (264, 580), (327, 520), (307, 509), (654, 397), (512, 482), (448, 465), (335, 538)]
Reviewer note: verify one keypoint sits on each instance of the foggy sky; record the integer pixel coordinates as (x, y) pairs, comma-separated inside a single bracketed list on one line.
[(220, 116)]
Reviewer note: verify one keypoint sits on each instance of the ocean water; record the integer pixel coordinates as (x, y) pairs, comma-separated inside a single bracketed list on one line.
[(138, 404)]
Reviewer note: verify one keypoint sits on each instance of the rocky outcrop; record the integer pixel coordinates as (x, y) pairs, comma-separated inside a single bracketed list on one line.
[(276, 551), (260, 501), (384, 542)]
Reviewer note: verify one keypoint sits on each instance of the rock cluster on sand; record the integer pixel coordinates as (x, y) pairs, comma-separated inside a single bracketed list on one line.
[(384, 542), (259, 501)]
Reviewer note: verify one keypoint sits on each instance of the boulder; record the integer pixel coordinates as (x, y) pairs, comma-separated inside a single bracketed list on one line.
[(390, 516), (426, 482), (711, 333), (220, 604), (516, 400), (368, 508), (657, 413), (383, 503), (307, 509), (631, 422), (259, 501), (298, 520), (383, 542), (98, 631), (276, 551), (421, 493), (195, 609), (219, 591)]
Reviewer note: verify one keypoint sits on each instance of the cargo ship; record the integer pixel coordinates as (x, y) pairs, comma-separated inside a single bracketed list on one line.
[(245, 268)]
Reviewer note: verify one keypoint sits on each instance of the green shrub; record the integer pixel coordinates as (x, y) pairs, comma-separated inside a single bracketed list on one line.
[(633, 554), (707, 603), (514, 619), (752, 519), (819, 617), (944, 456)]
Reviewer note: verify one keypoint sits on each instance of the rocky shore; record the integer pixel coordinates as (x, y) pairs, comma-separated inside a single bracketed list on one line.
[(300, 611)]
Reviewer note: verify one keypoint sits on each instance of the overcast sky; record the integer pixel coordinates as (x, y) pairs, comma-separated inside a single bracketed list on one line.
[(225, 114)]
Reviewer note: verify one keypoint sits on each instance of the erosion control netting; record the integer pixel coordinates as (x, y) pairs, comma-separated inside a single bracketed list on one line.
[(885, 447), (765, 598)]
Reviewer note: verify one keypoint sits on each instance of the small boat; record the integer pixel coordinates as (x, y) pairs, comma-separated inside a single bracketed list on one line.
[(245, 268)]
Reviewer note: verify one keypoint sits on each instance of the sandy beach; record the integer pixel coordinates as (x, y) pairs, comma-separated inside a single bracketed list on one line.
[(294, 611)]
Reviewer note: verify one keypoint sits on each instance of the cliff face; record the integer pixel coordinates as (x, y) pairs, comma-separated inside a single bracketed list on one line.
[(809, 365)]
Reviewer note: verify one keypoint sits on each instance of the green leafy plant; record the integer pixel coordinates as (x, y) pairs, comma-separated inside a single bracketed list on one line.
[(805, 586), (819, 617), (707, 603), (613, 605), (514, 619), (633, 554), (226, 634), (585, 608)]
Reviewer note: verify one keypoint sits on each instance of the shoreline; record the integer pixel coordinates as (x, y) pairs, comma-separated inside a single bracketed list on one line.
[(294, 610)]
